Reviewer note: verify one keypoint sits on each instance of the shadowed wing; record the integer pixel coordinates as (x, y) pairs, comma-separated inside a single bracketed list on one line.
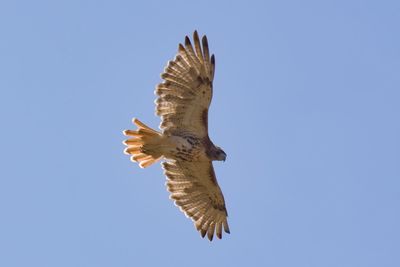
[(195, 190), (185, 94)]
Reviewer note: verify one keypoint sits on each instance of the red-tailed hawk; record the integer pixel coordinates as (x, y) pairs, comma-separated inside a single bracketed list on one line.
[(183, 101)]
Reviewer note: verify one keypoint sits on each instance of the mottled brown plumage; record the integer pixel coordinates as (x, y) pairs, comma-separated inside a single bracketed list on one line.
[(183, 101)]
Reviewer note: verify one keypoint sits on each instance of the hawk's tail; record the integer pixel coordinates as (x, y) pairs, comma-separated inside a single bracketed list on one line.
[(143, 144)]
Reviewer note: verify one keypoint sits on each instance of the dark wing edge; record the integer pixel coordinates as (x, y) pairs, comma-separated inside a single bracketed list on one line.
[(195, 191)]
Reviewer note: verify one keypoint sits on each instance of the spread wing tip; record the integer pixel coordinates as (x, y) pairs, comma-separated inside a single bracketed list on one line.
[(187, 41), (215, 228), (181, 48)]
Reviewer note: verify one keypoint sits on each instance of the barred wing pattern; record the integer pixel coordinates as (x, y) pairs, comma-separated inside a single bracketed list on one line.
[(185, 94), (195, 190)]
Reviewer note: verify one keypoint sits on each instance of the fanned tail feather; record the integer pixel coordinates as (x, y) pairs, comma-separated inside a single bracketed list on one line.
[(143, 144)]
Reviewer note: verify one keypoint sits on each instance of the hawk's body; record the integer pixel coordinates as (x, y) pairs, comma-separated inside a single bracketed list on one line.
[(183, 102)]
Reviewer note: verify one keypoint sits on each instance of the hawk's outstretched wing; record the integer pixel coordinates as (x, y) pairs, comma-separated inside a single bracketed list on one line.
[(185, 94), (195, 190)]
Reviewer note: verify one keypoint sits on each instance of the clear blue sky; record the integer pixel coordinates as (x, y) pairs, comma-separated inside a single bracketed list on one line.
[(306, 105)]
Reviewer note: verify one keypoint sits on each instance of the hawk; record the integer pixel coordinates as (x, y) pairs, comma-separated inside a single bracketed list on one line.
[(183, 100)]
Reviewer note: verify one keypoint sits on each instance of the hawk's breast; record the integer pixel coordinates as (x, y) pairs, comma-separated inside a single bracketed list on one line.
[(187, 147)]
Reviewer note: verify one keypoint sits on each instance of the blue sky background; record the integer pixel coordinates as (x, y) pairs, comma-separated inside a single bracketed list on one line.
[(306, 105)]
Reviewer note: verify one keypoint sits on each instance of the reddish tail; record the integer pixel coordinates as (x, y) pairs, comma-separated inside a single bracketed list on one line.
[(144, 144)]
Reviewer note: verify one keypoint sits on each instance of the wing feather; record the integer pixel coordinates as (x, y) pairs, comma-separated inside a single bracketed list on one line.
[(191, 55), (195, 190), (186, 93), (197, 46), (206, 55)]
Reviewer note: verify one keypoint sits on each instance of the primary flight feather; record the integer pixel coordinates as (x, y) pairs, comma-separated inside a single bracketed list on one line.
[(183, 101)]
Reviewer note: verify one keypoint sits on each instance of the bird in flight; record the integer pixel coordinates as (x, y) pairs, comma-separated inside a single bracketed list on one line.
[(183, 144)]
